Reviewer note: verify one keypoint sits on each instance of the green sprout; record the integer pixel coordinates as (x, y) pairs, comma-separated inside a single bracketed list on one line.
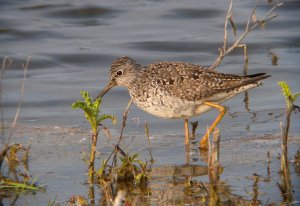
[(286, 186), (289, 96), (91, 110), (290, 99), (92, 114), (133, 168)]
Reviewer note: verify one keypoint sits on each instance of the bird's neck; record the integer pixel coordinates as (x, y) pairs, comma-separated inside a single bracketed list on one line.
[(134, 78)]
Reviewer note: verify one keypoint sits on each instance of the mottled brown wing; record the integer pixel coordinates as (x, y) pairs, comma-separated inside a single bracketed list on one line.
[(189, 81)]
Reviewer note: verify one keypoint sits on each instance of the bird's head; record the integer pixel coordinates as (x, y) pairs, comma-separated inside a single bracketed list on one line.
[(122, 73)]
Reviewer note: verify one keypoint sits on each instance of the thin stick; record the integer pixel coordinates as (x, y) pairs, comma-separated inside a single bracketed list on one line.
[(214, 168), (92, 158), (225, 51), (246, 58), (125, 114), (214, 157), (186, 131), (225, 25), (25, 67), (251, 15), (91, 195), (5, 64), (149, 143), (116, 147), (194, 127)]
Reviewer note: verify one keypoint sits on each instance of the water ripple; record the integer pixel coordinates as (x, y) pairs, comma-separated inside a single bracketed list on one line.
[(87, 12), (187, 13), (175, 46)]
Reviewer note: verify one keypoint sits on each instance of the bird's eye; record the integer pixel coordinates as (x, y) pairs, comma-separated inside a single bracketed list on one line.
[(119, 73)]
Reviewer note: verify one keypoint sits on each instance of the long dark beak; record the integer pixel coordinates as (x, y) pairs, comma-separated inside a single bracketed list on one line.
[(110, 85)]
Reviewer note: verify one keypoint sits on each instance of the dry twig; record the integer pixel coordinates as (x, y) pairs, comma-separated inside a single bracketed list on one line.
[(225, 50), (6, 63), (117, 148), (13, 125), (214, 168), (149, 143)]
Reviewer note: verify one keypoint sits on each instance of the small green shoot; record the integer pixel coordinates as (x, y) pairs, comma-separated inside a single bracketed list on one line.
[(101, 170), (52, 202), (143, 175), (92, 114), (286, 186), (133, 169), (91, 110), (289, 96)]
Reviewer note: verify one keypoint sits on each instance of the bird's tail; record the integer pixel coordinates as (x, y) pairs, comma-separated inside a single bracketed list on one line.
[(248, 79)]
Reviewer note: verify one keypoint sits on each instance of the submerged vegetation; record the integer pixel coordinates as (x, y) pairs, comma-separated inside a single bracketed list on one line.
[(290, 99), (14, 175), (91, 111), (286, 185), (132, 171)]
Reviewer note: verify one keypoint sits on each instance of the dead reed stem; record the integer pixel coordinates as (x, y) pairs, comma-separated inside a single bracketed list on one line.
[(194, 127), (286, 186), (286, 130), (92, 158), (214, 168), (225, 50), (13, 125), (149, 143), (255, 191), (5, 65), (16, 158), (268, 161), (117, 148), (125, 115), (92, 195)]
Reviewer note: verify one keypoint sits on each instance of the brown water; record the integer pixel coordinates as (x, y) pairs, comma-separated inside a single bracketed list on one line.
[(72, 45)]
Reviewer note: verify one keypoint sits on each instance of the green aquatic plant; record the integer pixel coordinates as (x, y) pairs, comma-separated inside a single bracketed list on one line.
[(290, 99), (289, 96), (286, 186), (133, 169), (92, 114), (52, 202), (14, 176), (8, 184), (131, 174), (92, 110), (101, 170)]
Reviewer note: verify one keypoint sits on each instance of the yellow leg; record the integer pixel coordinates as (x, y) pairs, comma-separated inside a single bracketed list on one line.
[(186, 130), (203, 143)]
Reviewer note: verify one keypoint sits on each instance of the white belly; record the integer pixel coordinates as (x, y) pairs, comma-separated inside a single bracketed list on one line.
[(171, 107)]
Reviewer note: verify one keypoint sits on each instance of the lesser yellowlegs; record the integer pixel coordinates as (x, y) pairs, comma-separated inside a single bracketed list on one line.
[(178, 90)]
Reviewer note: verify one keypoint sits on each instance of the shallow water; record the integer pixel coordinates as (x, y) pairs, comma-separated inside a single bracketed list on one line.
[(72, 45)]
